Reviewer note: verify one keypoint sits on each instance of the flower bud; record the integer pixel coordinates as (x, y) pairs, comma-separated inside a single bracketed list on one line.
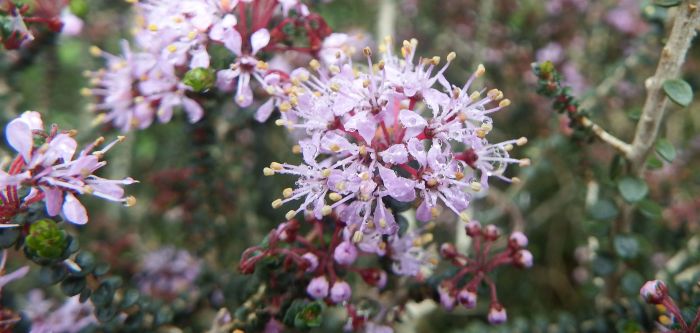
[(318, 287), (497, 314), (654, 292), (200, 79), (345, 253), (523, 259), (467, 298), (448, 251), (46, 239), (473, 228), (517, 240), (491, 232), (340, 292), (312, 259), (447, 300), (374, 277)]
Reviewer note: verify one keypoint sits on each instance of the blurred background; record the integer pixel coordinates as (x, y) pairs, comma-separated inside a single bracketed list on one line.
[(202, 188)]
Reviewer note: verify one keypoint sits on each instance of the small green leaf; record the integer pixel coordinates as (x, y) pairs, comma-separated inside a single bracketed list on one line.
[(103, 295), (666, 150), (667, 3), (101, 269), (86, 261), (632, 189), (73, 286), (650, 209), (131, 296), (603, 210), (52, 274), (654, 163), (8, 237), (679, 91), (105, 314), (626, 246)]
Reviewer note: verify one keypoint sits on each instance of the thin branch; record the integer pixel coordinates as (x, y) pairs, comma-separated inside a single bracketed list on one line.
[(670, 62), (619, 145), (386, 19)]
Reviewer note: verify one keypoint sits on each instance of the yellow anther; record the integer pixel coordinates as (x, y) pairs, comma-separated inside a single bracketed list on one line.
[(152, 27), (287, 192), (504, 103), (475, 96), (290, 214), (335, 196), (524, 162), (521, 142), (277, 203), (357, 237), (382, 222), (340, 186), (364, 176), (171, 48), (285, 106), (86, 92), (296, 149), (432, 182), (363, 150), (480, 70), (326, 210), (335, 87), (427, 238), (434, 212), (515, 180), (334, 148), (268, 172), (95, 51), (334, 69), (261, 65), (459, 175), (280, 122), (508, 147), (130, 201), (367, 51), (314, 64), (326, 172), (451, 56), (476, 186), (435, 60), (276, 166)]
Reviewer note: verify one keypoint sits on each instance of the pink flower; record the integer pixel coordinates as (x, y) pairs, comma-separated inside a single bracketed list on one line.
[(389, 132), (340, 292), (497, 314), (56, 173), (318, 287)]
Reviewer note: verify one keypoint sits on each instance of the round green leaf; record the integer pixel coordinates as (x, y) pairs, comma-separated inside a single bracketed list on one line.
[(650, 209), (632, 189), (52, 274), (654, 163), (131, 296), (667, 3), (8, 237), (626, 246), (103, 295), (679, 91), (666, 150), (603, 210), (73, 286)]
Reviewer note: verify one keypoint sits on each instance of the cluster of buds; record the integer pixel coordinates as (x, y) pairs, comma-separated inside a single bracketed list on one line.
[(396, 130), (172, 58), (16, 17), (326, 257), (460, 290), (655, 292), (549, 85), (49, 168)]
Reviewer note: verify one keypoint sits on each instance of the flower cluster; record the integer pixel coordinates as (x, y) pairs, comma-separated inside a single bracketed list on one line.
[(46, 316), (16, 16), (457, 290), (168, 273), (397, 130), (172, 57), (49, 166), (326, 257)]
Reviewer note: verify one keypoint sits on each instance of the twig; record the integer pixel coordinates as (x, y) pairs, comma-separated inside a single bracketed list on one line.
[(386, 19), (672, 58), (619, 145)]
